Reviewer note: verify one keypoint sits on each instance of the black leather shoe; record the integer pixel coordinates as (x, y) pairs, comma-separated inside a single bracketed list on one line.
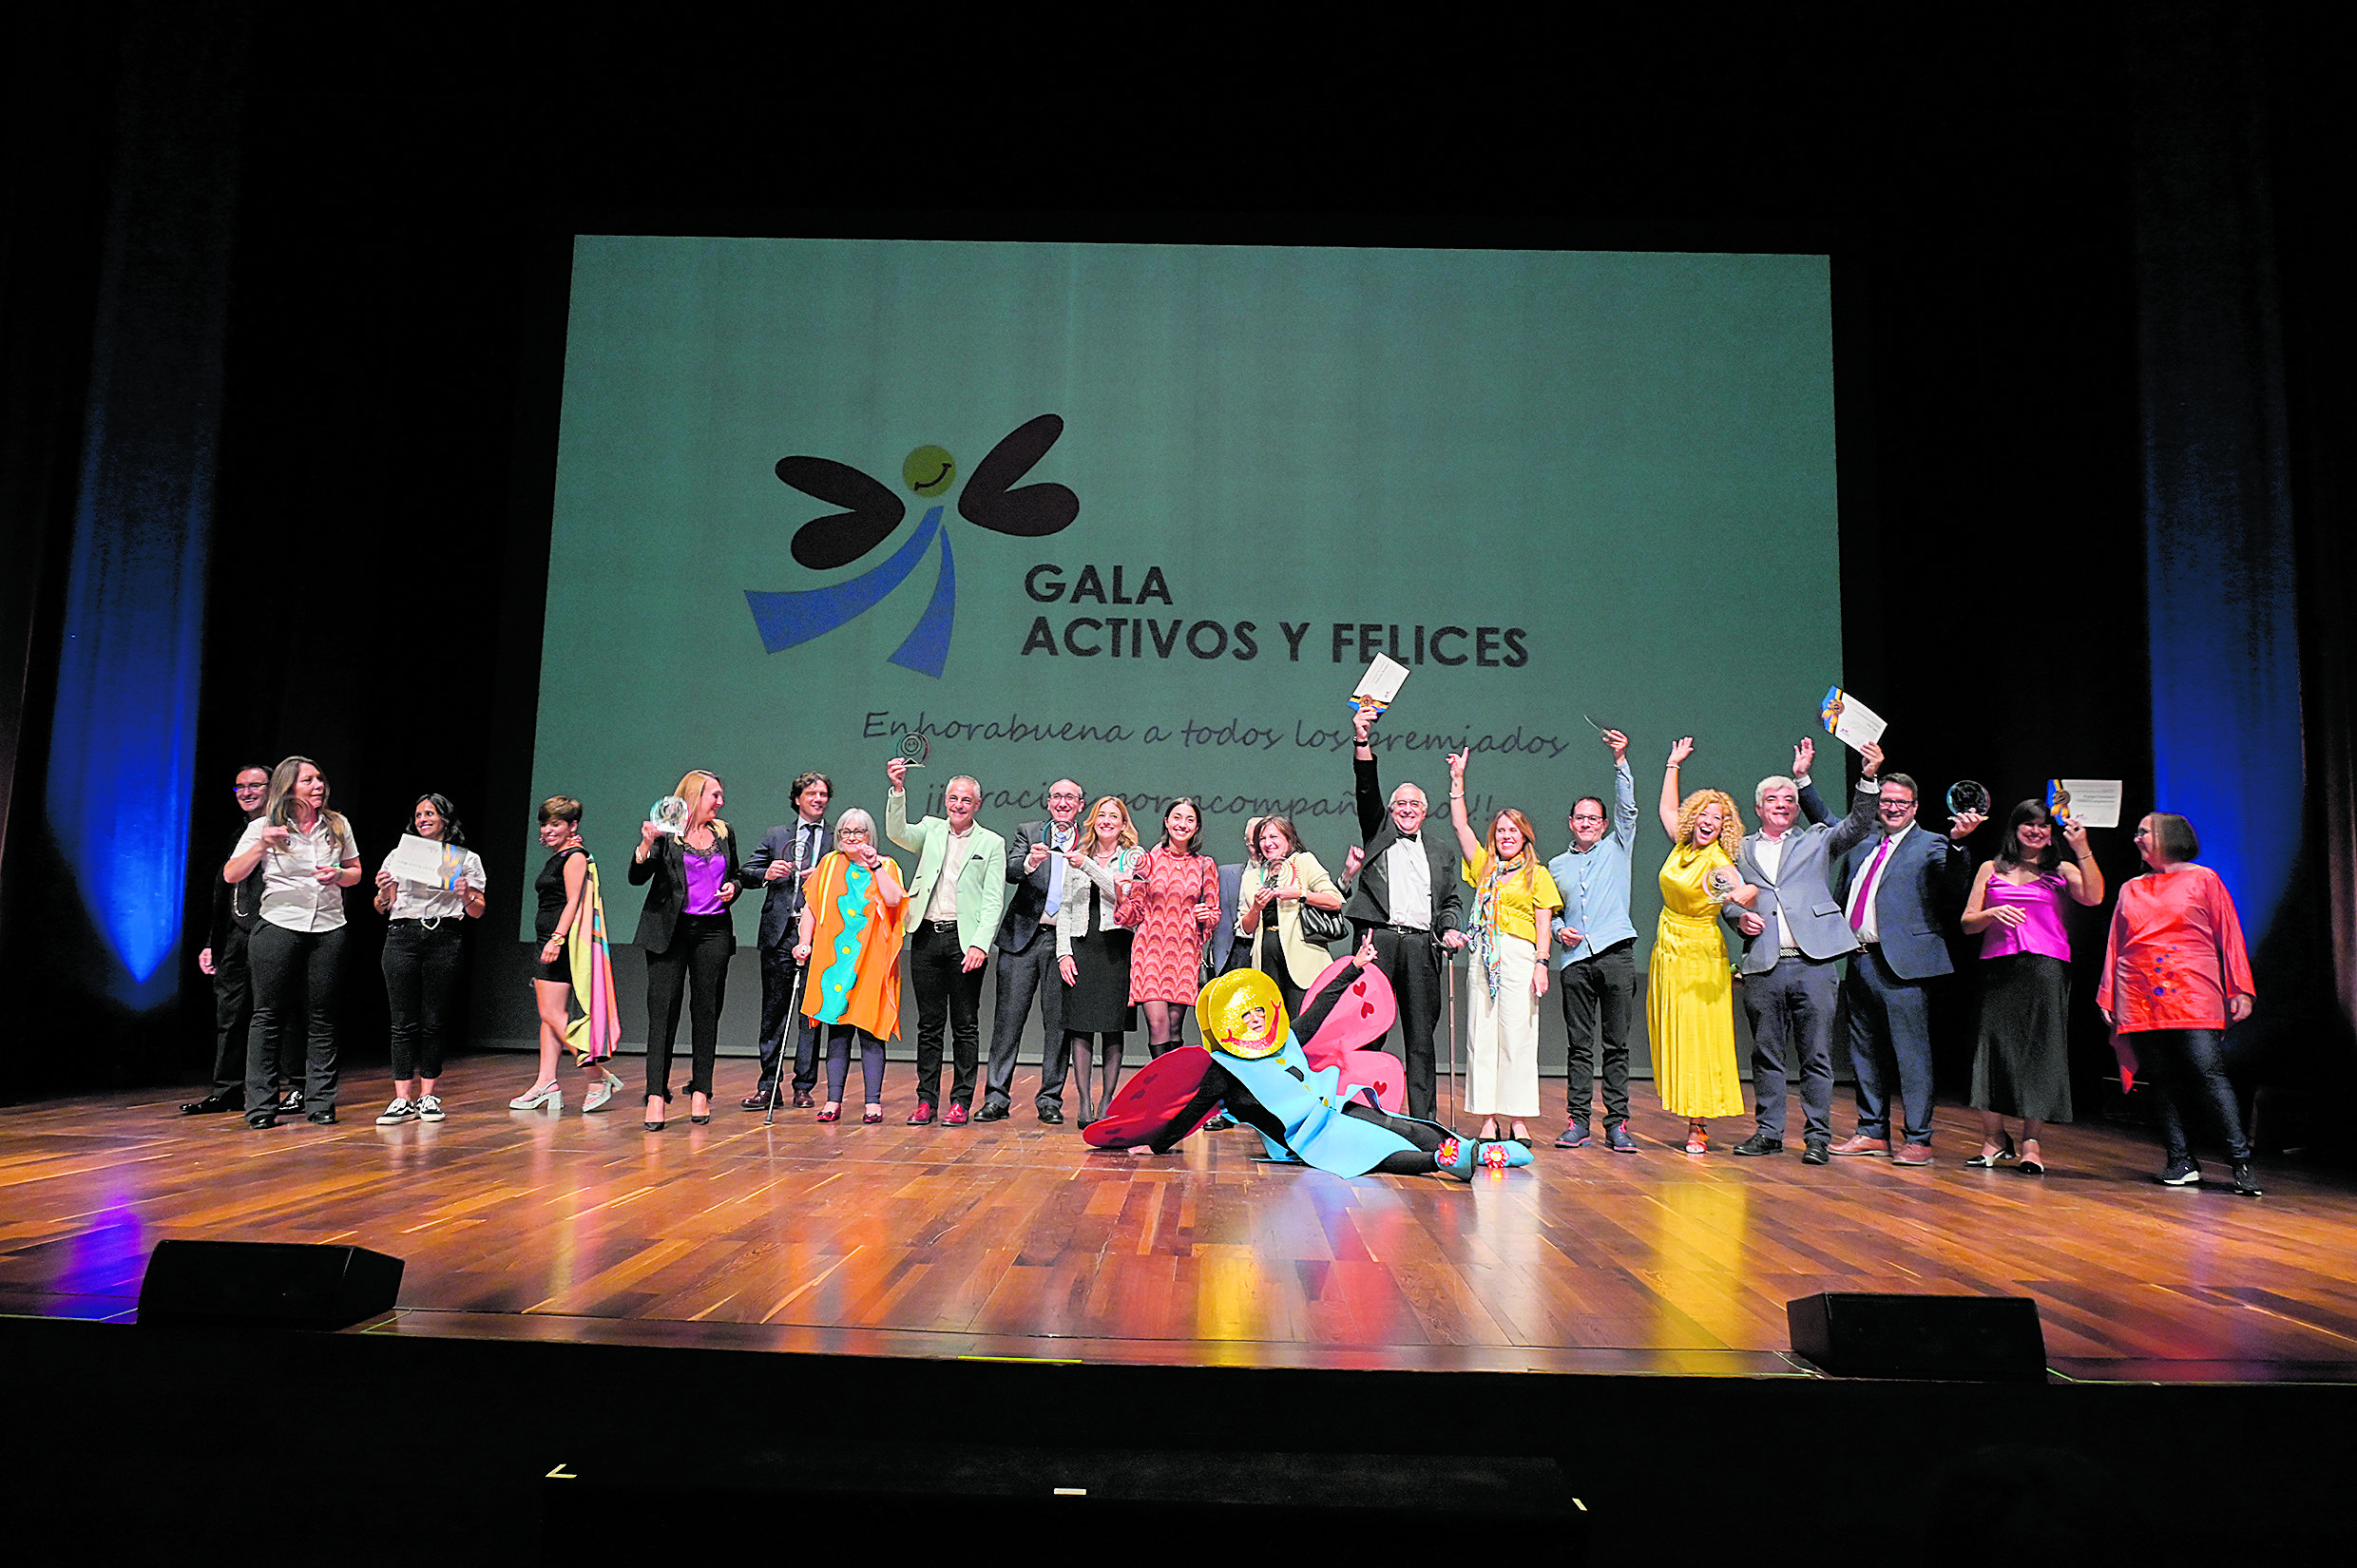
[(232, 1099), (1760, 1143), (1816, 1153), (757, 1100), (1051, 1119), (262, 1119), (991, 1113), (324, 1117), (802, 1100)]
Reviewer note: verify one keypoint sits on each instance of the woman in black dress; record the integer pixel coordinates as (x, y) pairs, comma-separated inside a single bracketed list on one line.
[(1092, 953), (687, 936), (567, 914)]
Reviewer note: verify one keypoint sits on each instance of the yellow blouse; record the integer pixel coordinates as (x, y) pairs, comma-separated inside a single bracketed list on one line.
[(1520, 894)]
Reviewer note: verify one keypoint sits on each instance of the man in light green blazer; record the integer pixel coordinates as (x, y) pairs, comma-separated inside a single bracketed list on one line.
[(955, 898)]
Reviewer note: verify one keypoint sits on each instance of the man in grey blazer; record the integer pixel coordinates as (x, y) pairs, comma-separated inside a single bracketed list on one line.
[(956, 898), (1026, 943), (1793, 935), (1900, 888)]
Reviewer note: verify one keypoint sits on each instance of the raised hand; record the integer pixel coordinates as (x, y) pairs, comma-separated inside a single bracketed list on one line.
[(1803, 754), (1872, 753), (1680, 749), (1456, 766), (1353, 859), (1964, 825), (1619, 744), (1362, 724), (1366, 953), (896, 772)]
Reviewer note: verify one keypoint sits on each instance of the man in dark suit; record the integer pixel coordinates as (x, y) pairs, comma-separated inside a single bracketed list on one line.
[(786, 851), (236, 910), (1036, 868), (1793, 937), (1403, 889), (1222, 942), (1901, 887)]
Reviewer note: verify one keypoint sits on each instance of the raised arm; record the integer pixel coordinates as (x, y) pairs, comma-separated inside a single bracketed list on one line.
[(1623, 792), (1467, 844), (2083, 875), (1680, 750), (896, 808), (1366, 787)]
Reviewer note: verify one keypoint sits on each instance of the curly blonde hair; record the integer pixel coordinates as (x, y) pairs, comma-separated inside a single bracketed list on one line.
[(1731, 820)]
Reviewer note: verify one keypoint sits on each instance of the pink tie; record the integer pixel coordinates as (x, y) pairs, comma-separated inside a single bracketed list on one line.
[(1866, 887)]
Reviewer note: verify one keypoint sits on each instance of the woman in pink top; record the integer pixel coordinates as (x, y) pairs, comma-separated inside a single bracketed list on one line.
[(2174, 975), (2024, 1065)]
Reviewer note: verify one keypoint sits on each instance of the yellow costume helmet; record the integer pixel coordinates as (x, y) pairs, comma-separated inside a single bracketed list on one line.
[(1221, 1007)]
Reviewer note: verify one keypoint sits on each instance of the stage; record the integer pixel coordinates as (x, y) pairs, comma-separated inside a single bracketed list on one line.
[(1012, 1239)]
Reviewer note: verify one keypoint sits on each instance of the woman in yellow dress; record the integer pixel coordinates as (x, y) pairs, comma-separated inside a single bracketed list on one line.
[(1689, 997)]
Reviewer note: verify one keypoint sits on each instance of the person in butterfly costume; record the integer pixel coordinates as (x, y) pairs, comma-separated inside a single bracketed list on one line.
[(1311, 1093)]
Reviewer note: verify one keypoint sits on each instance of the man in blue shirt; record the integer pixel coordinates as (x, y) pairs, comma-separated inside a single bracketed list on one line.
[(1598, 975)]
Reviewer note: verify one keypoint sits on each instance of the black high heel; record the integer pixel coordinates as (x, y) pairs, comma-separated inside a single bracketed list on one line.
[(1990, 1163)]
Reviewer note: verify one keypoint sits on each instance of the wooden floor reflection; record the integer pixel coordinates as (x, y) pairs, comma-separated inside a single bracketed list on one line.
[(1014, 1239)]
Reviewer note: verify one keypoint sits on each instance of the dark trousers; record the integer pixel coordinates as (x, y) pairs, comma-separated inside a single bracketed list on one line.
[(1889, 1037), (1412, 962), (1596, 992), (945, 994), (2188, 1072), (233, 1012), (697, 962), (777, 972), (1022, 976), (295, 978), (839, 1038), (1793, 1005), (421, 967)]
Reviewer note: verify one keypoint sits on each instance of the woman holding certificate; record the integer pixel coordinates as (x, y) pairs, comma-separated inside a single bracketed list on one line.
[(2176, 974), (852, 911), (2023, 1067), (443, 887), (306, 858), (688, 939), (1689, 995)]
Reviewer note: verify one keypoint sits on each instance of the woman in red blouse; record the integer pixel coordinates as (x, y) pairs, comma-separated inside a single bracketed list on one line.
[(1172, 904), (2174, 975)]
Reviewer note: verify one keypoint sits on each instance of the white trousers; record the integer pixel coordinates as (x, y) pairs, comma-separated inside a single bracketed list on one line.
[(1501, 1037)]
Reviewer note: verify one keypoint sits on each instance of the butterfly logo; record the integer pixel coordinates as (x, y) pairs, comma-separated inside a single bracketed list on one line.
[(870, 514)]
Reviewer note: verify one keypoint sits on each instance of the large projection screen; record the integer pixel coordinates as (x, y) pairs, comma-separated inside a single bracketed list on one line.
[(1561, 486)]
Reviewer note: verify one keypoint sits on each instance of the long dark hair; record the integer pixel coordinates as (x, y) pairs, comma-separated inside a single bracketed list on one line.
[(2011, 856), (451, 831), (1194, 844)]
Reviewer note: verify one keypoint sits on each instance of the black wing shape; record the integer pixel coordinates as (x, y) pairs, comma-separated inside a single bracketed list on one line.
[(1032, 512), (873, 512)]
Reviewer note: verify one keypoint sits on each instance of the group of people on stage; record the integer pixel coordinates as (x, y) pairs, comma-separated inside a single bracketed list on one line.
[(1101, 932)]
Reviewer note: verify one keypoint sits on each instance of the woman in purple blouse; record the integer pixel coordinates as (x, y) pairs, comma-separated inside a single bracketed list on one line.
[(688, 939), (2024, 1065)]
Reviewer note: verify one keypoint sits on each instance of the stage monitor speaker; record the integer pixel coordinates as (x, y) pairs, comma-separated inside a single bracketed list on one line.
[(266, 1284), (1968, 1339)]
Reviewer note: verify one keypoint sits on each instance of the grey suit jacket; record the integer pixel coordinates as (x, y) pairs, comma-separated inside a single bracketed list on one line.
[(1802, 889)]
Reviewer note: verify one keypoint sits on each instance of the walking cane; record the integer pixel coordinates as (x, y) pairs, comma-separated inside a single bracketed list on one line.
[(1448, 962), (792, 1028)]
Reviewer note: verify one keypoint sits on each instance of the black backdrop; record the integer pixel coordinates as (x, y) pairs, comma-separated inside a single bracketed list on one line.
[(409, 186)]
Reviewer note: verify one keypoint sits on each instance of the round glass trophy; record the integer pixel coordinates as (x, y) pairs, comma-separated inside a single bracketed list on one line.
[(914, 749), (1969, 796), (1721, 882), (669, 814)]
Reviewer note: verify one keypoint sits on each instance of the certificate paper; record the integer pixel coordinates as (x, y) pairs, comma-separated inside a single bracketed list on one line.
[(2094, 801), (426, 863), (1380, 684), (1850, 721)]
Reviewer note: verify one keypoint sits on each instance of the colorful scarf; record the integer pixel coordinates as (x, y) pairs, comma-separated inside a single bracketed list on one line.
[(1485, 916), (594, 1036)]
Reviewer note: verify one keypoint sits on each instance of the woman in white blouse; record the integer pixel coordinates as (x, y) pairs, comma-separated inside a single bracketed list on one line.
[(306, 858), (1092, 953), (422, 958)]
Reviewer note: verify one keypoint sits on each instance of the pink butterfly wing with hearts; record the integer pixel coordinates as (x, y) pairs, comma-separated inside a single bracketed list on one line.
[(1364, 1015)]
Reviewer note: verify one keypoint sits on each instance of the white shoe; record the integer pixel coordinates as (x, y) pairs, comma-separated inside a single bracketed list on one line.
[(600, 1093), (428, 1108), (398, 1112), (538, 1096)]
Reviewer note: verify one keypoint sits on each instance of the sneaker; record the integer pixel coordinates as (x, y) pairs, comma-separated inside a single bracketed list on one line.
[(2180, 1172), (1617, 1138), (1574, 1136), (428, 1108), (398, 1112), (2244, 1184)]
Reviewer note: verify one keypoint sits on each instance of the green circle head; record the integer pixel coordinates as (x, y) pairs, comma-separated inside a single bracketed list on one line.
[(928, 471)]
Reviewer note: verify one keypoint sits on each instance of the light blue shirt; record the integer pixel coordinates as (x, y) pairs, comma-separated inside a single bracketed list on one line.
[(1594, 883)]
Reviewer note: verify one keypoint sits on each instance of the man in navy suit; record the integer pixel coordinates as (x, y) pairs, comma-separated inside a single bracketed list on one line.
[(786, 851), (1900, 887)]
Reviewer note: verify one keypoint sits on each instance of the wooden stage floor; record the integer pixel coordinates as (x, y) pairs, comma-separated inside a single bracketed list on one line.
[(1016, 1240)]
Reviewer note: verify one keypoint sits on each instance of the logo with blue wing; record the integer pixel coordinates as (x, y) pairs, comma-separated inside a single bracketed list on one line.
[(872, 513)]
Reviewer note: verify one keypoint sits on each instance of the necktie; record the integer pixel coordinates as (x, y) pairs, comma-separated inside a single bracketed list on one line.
[(1866, 884), (801, 848)]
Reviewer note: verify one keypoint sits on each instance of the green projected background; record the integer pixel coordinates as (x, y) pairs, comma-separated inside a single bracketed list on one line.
[(1554, 484)]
